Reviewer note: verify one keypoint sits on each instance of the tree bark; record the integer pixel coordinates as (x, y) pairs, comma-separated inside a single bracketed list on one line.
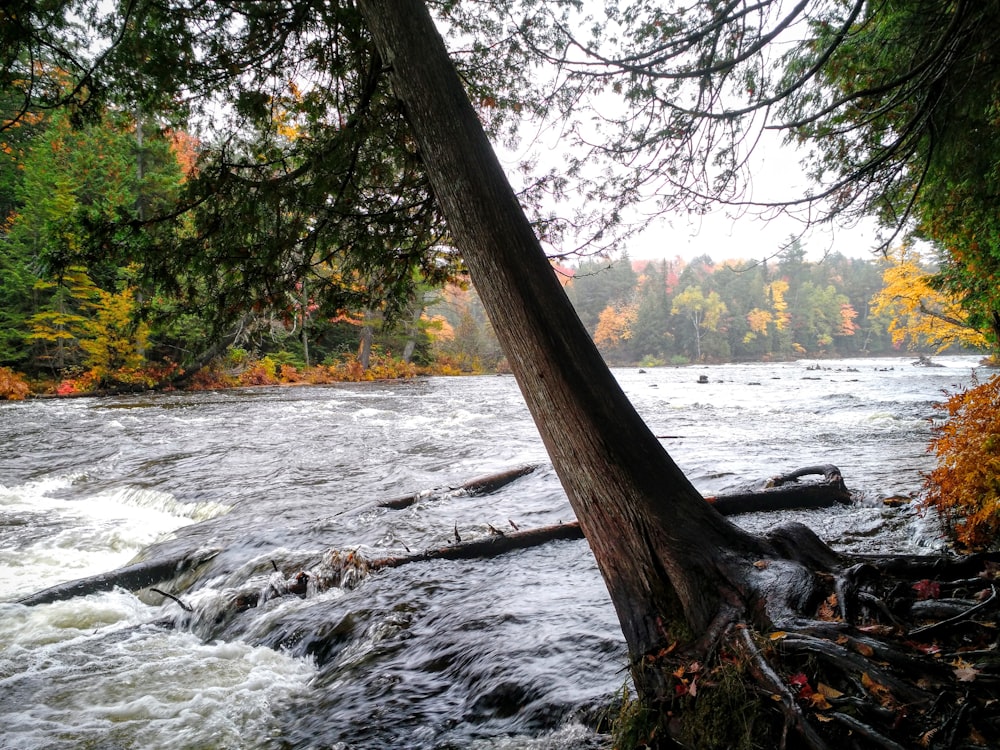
[(657, 543), (690, 589)]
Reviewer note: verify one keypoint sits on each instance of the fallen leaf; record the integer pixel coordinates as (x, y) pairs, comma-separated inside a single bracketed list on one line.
[(821, 717), (878, 690), (966, 674), (777, 635), (827, 691), (819, 702), (801, 684), (864, 649), (927, 589), (878, 629), (828, 609), (760, 564), (925, 648), (964, 671)]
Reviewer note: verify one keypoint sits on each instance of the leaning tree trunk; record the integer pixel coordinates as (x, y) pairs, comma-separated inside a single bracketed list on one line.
[(667, 557), (690, 588)]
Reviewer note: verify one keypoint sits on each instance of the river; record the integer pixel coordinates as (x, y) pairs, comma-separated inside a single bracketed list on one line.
[(522, 651)]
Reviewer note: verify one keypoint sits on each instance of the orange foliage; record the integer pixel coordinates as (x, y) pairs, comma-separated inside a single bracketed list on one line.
[(965, 486), (185, 147), (380, 367), (614, 325), (12, 386)]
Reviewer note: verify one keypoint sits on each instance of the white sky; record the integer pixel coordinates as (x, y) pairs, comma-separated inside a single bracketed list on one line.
[(729, 232), (725, 237)]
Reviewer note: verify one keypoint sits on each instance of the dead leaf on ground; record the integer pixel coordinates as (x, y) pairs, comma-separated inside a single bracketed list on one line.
[(879, 691), (827, 691), (964, 671)]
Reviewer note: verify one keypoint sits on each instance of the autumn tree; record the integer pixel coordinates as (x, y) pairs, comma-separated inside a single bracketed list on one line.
[(703, 312), (921, 315), (73, 178), (910, 102), (598, 284)]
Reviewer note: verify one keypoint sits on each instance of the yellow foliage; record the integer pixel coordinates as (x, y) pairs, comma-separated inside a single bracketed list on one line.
[(777, 290), (965, 485), (920, 315), (113, 341), (614, 325), (758, 321)]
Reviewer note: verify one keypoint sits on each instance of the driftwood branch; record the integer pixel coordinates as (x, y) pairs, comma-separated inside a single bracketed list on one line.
[(482, 485), (785, 492), (133, 577)]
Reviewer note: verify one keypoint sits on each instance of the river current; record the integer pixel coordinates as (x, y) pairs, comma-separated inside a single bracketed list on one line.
[(521, 651)]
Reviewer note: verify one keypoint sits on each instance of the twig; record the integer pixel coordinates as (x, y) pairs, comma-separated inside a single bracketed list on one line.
[(185, 607)]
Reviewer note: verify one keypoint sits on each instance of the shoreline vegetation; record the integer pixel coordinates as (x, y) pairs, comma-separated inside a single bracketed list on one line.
[(223, 374), (240, 370)]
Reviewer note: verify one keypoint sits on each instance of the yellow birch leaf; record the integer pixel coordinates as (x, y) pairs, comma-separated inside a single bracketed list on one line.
[(827, 691)]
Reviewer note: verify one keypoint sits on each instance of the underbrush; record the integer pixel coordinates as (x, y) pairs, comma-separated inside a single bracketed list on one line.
[(965, 486)]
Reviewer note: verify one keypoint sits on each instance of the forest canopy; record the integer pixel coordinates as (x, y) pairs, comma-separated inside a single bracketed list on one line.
[(266, 178)]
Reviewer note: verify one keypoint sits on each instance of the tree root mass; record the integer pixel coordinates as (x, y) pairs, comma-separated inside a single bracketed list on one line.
[(867, 667)]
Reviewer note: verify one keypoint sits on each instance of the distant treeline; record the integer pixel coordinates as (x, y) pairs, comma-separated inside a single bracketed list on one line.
[(674, 312)]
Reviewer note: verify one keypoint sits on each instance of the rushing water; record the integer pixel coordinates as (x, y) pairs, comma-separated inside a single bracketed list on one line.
[(522, 651)]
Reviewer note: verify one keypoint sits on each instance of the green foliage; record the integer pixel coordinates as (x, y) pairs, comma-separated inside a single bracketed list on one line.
[(965, 485), (912, 98), (740, 310)]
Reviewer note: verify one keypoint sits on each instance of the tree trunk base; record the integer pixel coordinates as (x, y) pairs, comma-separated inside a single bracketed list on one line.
[(878, 655)]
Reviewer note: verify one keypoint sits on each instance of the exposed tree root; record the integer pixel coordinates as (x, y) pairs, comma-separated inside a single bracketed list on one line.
[(862, 666)]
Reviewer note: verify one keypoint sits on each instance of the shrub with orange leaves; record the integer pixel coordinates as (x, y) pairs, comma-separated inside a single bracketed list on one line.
[(12, 386), (965, 486), (260, 372)]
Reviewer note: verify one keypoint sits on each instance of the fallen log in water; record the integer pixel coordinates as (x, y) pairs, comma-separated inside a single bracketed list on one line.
[(482, 485), (785, 492), (490, 546), (133, 577), (781, 493)]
